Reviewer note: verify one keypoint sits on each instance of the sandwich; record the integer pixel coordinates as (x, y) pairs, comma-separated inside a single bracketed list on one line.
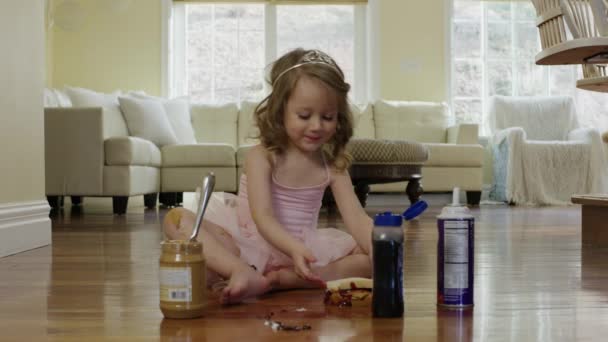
[(349, 292)]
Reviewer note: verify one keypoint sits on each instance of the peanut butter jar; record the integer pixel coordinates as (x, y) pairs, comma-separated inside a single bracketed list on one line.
[(182, 279)]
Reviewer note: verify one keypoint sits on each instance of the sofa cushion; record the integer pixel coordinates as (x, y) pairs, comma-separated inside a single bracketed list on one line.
[(208, 154), (410, 120), (178, 113), (247, 130), (363, 118), (215, 123), (114, 123), (131, 151), (147, 119), (454, 155), (241, 154)]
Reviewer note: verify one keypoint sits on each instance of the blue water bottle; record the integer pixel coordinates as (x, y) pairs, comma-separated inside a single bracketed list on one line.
[(387, 239), (388, 245)]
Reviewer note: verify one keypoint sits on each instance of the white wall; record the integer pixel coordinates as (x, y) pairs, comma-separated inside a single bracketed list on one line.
[(114, 48), (121, 50), (22, 73)]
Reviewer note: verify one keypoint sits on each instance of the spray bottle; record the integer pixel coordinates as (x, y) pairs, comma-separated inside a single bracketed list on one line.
[(455, 251)]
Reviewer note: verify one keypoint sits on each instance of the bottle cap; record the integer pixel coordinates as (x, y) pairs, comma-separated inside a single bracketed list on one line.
[(388, 219), (414, 210)]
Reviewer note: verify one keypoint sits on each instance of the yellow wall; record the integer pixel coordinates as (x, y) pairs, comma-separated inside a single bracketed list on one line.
[(21, 84), (412, 49), (114, 48), (122, 50)]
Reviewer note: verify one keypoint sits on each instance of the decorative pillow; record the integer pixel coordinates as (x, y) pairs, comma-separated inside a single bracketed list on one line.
[(114, 123), (364, 121), (147, 119), (178, 113), (56, 98), (50, 98), (63, 100)]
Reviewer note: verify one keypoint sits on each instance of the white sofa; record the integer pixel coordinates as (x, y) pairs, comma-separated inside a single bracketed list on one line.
[(84, 157)]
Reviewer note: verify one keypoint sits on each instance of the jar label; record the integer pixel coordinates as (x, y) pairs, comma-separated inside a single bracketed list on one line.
[(175, 284)]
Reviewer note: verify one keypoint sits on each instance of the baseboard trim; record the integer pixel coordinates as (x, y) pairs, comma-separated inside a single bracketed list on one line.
[(24, 226)]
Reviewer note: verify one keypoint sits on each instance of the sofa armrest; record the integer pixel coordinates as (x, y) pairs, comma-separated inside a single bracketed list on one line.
[(73, 150), (463, 134), (126, 151)]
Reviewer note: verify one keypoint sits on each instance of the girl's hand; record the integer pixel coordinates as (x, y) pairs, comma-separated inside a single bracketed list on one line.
[(302, 257)]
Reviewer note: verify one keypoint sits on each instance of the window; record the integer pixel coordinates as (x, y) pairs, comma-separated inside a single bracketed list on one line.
[(493, 48), (219, 52)]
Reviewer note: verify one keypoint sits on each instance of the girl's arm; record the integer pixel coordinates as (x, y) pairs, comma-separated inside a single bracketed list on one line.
[(259, 176), (354, 216)]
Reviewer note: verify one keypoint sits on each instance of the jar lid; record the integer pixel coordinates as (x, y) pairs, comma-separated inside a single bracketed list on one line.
[(388, 219)]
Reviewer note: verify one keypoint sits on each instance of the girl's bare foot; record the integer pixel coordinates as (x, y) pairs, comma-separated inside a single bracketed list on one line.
[(286, 279), (178, 224), (243, 284)]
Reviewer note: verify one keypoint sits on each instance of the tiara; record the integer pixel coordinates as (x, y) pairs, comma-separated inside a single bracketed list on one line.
[(311, 57)]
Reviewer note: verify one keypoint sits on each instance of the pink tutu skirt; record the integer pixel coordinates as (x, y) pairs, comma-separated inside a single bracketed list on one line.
[(232, 214)]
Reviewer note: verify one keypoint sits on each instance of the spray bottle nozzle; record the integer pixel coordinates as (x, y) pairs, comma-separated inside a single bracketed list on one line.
[(456, 197)]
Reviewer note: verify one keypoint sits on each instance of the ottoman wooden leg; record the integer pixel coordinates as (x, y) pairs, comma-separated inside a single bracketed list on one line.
[(362, 190), (414, 189)]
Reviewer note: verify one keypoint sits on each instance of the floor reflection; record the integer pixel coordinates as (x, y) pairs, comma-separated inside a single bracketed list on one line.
[(454, 325)]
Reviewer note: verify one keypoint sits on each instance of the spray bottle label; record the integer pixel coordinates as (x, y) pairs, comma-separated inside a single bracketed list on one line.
[(455, 262)]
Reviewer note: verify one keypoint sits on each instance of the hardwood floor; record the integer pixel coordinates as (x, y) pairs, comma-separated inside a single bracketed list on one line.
[(98, 280)]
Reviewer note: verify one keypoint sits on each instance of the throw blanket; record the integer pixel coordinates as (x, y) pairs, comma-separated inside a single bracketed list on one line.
[(547, 172)]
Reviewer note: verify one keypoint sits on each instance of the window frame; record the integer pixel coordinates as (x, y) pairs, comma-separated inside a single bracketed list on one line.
[(484, 59), (173, 14)]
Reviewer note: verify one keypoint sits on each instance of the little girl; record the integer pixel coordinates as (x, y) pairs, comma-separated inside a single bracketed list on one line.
[(266, 237)]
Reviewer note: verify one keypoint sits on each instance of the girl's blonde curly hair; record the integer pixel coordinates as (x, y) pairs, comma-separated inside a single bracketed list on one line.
[(285, 73)]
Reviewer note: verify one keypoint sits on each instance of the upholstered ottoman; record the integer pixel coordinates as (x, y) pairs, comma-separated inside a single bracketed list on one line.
[(386, 161)]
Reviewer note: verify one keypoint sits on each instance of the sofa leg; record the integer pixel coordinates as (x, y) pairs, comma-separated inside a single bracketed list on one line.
[(168, 199), (150, 200), (76, 200), (473, 197), (414, 190), (119, 204), (362, 190), (55, 202)]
